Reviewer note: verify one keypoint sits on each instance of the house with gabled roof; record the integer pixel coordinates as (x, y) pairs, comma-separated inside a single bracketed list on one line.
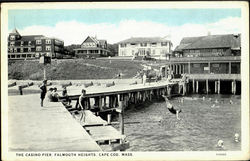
[(92, 47), (153, 47)]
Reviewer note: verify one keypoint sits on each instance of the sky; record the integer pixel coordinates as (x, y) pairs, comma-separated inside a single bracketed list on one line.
[(114, 25)]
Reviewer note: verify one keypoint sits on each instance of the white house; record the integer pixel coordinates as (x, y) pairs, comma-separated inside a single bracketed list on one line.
[(92, 47), (154, 47)]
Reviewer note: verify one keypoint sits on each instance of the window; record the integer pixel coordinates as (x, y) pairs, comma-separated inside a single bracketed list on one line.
[(29, 43), (12, 37), (48, 41), (153, 44), (11, 50), (38, 48), (29, 49), (21, 50), (133, 44), (216, 65), (197, 65), (21, 43), (38, 41), (164, 44), (48, 48), (123, 45), (15, 50), (143, 44), (12, 43), (153, 52)]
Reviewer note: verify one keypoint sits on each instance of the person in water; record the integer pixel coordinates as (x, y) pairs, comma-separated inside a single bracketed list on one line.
[(171, 108)]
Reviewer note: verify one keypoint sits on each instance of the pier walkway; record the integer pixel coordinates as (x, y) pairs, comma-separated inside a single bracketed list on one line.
[(49, 128)]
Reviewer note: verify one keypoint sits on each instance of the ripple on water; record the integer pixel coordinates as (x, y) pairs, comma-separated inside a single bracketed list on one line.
[(199, 129)]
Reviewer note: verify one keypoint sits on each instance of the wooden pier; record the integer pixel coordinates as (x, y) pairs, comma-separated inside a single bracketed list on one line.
[(50, 128)]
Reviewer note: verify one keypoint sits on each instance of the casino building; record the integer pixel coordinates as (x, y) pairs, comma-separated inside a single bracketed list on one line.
[(33, 46), (212, 63)]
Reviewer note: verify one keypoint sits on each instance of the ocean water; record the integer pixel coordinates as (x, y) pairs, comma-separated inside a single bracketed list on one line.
[(154, 128)]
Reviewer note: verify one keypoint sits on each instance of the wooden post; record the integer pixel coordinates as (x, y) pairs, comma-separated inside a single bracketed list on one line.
[(207, 86), (100, 102), (184, 88), (197, 86), (189, 66), (193, 86), (229, 68), (20, 90), (109, 118), (121, 114), (218, 87), (209, 66), (215, 86), (44, 72), (235, 87)]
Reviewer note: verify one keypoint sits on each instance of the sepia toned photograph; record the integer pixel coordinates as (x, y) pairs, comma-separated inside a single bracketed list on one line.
[(144, 80)]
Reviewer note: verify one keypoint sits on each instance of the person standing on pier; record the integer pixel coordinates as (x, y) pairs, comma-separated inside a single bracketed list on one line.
[(82, 103), (144, 79), (171, 107), (43, 89)]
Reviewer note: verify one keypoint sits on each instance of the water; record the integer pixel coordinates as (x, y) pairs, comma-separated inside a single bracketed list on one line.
[(199, 129)]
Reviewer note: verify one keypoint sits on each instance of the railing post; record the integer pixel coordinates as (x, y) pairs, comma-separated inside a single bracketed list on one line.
[(218, 87)]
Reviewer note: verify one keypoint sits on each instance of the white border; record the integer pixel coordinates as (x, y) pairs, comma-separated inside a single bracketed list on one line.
[(207, 155)]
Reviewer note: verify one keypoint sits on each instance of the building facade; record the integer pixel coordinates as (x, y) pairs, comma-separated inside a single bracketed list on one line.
[(92, 48), (33, 46), (153, 47), (208, 61)]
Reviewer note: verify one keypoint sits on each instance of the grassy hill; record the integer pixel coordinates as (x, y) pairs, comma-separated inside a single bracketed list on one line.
[(73, 69)]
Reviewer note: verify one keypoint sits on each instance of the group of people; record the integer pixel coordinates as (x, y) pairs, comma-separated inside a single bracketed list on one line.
[(52, 94)]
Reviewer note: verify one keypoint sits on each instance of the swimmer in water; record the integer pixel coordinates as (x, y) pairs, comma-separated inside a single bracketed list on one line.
[(220, 144), (171, 108), (216, 101), (213, 106), (236, 137)]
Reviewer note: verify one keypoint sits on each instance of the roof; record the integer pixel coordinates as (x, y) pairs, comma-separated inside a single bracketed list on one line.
[(211, 41), (144, 40), (93, 39), (15, 32), (30, 37), (91, 48)]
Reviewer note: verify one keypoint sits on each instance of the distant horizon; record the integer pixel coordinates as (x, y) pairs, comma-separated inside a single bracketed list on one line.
[(115, 25)]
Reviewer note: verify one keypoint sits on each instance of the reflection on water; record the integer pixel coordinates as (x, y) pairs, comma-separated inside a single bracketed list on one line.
[(200, 127)]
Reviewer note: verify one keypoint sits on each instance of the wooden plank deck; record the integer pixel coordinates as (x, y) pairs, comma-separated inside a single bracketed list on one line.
[(49, 128), (117, 89), (98, 134)]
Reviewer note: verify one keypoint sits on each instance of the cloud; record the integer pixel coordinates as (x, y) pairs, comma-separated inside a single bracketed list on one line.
[(74, 32)]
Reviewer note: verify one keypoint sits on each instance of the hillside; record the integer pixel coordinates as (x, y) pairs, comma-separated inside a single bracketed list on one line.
[(73, 69)]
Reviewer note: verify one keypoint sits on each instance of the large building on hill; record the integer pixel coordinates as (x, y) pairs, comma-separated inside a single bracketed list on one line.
[(154, 47), (33, 46), (92, 47)]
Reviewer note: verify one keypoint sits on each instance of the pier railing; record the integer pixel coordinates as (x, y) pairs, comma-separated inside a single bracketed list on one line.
[(215, 76), (217, 58)]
